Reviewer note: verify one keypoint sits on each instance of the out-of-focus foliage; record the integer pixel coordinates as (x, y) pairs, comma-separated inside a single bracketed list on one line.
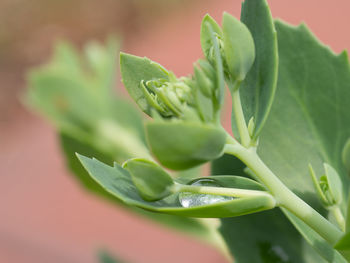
[(76, 92)]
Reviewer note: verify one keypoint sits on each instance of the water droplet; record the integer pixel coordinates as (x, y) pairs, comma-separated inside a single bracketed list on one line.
[(188, 199)]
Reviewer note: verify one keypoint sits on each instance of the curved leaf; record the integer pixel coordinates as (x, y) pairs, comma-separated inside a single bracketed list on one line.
[(117, 181), (206, 35), (181, 145), (152, 182), (135, 69), (239, 48)]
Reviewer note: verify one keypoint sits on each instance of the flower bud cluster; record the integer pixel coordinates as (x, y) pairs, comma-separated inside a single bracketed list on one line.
[(180, 97)]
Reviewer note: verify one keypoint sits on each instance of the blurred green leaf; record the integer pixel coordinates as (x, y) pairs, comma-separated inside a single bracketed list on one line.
[(76, 94), (94, 122), (105, 257)]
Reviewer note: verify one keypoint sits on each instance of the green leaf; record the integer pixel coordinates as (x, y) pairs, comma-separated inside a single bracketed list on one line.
[(343, 246), (334, 183), (313, 82), (182, 145), (258, 89), (317, 242), (239, 48), (206, 35), (264, 237), (152, 182), (346, 155), (71, 145), (135, 69), (117, 181)]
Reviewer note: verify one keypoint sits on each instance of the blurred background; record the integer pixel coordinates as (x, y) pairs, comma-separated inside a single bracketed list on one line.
[(45, 216)]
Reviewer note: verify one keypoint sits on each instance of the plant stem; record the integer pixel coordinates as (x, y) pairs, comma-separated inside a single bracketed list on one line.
[(224, 191), (240, 121), (285, 197), (338, 215)]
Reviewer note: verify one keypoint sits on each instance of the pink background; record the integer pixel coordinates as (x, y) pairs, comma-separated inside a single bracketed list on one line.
[(44, 214)]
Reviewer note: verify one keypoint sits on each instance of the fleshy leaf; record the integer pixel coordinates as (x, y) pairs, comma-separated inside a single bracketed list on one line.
[(136, 69), (117, 181), (258, 89), (206, 34), (182, 145), (152, 182), (239, 50)]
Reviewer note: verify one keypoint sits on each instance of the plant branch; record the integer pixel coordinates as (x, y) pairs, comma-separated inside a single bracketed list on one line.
[(239, 117), (338, 215), (224, 191), (283, 195)]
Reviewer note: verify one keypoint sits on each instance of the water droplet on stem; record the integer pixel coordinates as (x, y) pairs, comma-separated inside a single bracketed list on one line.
[(188, 199)]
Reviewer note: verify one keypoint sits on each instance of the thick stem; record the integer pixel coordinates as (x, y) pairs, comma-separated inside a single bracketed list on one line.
[(224, 191), (338, 215), (285, 197), (240, 121)]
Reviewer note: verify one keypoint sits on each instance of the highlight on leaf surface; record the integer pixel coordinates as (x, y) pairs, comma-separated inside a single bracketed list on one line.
[(152, 182), (182, 145)]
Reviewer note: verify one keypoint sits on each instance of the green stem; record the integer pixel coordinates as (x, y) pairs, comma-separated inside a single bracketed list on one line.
[(239, 116), (224, 191), (285, 197), (338, 215)]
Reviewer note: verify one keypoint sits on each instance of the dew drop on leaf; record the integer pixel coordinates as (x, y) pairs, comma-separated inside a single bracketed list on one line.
[(188, 199)]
